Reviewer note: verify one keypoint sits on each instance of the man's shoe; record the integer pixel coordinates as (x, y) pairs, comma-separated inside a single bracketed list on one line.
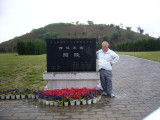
[(112, 95), (104, 94)]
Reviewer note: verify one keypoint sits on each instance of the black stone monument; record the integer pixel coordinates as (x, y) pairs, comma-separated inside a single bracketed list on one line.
[(71, 55)]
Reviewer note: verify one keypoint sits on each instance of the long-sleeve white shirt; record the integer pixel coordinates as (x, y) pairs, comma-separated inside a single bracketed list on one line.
[(106, 59)]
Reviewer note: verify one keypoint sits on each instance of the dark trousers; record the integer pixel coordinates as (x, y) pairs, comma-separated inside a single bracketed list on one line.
[(106, 80)]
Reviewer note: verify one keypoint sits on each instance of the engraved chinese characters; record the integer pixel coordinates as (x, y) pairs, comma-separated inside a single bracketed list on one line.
[(71, 55)]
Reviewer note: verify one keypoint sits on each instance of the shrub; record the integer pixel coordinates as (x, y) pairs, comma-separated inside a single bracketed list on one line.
[(140, 45), (101, 27), (28, 47), (69, 33), (75, 33), (111, 25), (83, 33), (130, 35), (105, 38), (128, 28), (115, 35)]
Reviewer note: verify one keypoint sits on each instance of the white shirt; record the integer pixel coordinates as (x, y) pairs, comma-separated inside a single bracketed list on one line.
[(105, 59)]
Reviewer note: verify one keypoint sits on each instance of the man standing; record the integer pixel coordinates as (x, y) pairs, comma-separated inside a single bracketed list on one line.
[(106, 58)]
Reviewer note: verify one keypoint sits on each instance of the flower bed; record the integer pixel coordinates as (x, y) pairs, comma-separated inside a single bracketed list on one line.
[(57, 97)]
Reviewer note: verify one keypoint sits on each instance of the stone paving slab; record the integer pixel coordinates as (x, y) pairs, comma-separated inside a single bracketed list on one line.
[(136, 84)]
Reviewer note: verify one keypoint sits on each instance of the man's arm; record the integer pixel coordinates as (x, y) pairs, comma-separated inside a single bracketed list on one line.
[(115, 58)]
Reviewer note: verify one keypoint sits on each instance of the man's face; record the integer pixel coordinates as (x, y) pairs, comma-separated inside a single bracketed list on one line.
[(105, 47)]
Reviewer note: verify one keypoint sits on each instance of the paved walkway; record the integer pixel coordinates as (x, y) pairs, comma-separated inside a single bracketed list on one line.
[(137, 89)]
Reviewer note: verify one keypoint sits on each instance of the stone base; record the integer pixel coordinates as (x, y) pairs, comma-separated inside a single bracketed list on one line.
[(59, 80)]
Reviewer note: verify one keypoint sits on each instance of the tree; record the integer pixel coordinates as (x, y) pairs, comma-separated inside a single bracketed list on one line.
[(128, 28), (21, 47), (90, 22), (115, 35), (130, 35), (75, 33), (98, 46), (140, 45), (105, 38), (117, 27), (3, 49), (138, 29), (141, 31), (51, 35), (111, 25), (31, 47), (112, 46), (83, 33), (100, 26), (97, 40), (77, 22), (69, 33)]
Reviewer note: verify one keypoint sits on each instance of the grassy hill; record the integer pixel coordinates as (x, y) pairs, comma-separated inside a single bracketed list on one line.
[(111, 33)]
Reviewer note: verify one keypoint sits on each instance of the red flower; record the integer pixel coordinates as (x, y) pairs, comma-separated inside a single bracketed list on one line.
[(70, 93)]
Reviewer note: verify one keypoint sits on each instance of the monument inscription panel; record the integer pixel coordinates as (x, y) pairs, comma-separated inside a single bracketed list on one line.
[(71, 55)]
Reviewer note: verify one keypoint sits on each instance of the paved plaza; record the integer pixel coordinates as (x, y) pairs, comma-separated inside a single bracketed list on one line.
[(136, 84)]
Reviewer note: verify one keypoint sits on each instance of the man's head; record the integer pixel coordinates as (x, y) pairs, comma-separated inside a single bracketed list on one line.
[(105, 46)]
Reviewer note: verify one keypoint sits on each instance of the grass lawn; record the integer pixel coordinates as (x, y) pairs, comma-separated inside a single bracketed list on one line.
[(22, 71), (154, 55)]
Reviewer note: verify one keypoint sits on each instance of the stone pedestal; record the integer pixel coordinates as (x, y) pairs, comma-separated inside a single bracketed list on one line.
[(59, 80)]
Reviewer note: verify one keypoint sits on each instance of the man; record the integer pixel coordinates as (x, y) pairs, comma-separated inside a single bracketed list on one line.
[(106, 58)]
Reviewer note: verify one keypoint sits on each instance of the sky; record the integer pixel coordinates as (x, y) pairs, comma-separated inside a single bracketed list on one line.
[(18, 17)]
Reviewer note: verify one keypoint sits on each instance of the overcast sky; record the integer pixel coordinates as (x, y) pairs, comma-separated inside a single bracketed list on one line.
[(18, 17)]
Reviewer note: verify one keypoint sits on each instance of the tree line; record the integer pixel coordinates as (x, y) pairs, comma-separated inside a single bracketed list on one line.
[(36, 47), (30, 47), (7, 50), (139, 46)]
